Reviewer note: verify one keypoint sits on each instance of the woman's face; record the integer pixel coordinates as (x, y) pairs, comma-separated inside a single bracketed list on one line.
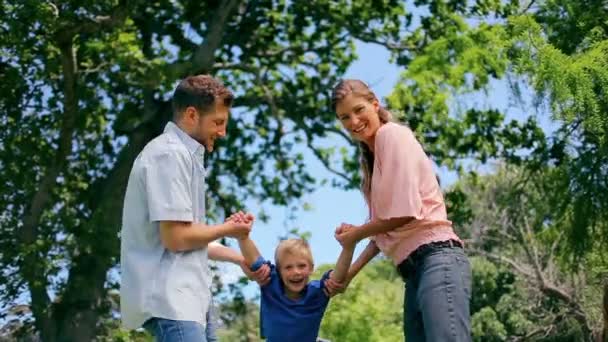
[(359, 117)]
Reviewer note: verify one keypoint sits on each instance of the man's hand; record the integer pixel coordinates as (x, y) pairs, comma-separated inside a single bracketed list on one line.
[(238, 230), (261, 276), (332, 287), (241, 217), (240, 224)]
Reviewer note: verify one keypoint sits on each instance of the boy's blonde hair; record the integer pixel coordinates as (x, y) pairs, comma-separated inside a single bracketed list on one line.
[(298, 247)]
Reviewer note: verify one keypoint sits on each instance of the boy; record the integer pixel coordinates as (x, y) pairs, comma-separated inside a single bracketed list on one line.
[(292, 306)]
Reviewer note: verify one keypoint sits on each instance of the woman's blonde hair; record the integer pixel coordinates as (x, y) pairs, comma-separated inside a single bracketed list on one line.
[(360, 89), (298, 247)]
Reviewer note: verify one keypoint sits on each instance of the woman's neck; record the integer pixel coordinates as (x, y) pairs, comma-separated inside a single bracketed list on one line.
[(371, 143)]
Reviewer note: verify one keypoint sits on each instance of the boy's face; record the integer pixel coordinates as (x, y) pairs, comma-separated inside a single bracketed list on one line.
[(295, 271)]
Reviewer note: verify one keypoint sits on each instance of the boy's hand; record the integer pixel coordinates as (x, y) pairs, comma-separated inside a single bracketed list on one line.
[(241, 217), (261, 276), (343, 228), (332, 287)]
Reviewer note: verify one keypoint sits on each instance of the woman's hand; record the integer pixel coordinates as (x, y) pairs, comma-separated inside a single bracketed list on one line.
[(332, 287), (346, 235)]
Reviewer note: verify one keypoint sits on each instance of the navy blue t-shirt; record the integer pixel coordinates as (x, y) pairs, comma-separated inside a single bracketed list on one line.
[(285, 319)]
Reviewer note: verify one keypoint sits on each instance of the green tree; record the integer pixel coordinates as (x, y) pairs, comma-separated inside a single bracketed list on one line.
[(558, 51), (87, 83), (371, 309), (535, 48), (524, 284)]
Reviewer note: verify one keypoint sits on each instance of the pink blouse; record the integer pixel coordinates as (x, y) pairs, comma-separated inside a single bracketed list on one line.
[(404, 185)]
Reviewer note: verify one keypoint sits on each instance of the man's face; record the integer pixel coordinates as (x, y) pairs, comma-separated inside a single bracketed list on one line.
[(211, 125)]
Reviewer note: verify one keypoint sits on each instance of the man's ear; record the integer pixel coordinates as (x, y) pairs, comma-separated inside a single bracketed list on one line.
[(190, 114)]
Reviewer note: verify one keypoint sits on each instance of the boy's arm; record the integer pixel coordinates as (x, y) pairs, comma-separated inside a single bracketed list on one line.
[(334, 287), (340, 273), (179, 236), (249, 250)]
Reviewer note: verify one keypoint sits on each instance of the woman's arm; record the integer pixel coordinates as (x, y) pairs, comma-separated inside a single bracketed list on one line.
[(355, 234), (370, 251)]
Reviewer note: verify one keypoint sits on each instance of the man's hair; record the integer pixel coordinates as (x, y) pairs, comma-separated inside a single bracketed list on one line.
[(298, 247), (200, 92)]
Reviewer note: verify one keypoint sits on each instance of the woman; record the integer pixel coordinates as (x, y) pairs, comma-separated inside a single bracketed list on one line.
[(408, 220)]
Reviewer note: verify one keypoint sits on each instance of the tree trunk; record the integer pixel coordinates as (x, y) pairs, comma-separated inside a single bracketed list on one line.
[(78, 314), (603, 336)]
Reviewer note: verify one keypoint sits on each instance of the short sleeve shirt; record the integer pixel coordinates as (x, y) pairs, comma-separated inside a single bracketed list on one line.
[(285, 319), (404, 184), (166, 183)]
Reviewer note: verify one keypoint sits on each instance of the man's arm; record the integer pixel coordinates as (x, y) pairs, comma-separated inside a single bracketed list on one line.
[(186, 236), (219, 252)]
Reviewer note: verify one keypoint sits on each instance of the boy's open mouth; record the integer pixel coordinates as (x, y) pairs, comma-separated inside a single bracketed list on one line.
[(296, 282)]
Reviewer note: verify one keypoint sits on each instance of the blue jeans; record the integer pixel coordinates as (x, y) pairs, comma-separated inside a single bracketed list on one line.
[(168, 330), (212, 324), (437, 295)]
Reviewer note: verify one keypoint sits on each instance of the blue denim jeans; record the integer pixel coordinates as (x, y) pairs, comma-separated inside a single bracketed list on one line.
[(437, 296), (212, 324), (168, 330)]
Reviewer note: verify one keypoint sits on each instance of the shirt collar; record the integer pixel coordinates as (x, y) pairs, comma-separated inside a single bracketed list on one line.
[(192, 145)]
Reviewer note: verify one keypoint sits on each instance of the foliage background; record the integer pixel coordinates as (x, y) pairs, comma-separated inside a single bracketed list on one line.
[(87, 83)]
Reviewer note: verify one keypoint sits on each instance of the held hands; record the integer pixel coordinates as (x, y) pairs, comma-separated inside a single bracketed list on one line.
[(240, 224), (261, 276), (346, 235), (332, 287)]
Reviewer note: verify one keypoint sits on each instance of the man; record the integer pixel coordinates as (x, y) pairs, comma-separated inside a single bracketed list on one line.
[(165, 283)]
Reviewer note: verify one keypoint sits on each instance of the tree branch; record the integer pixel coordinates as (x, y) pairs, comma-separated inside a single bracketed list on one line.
[(91, 25), (325, 162), (392, 46), (527, 8), (203, 58), (503, 260)]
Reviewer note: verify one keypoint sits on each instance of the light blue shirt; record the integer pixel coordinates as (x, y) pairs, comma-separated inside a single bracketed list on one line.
[(167, 183)]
